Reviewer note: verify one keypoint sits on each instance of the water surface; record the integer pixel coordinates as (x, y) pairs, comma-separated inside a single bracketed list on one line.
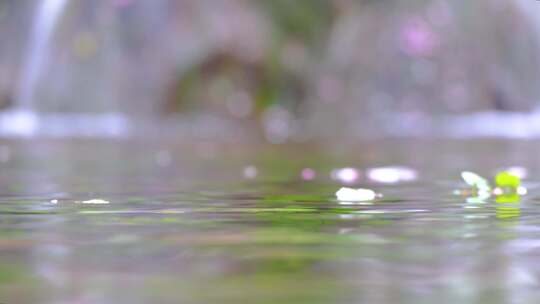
[(237, 223)]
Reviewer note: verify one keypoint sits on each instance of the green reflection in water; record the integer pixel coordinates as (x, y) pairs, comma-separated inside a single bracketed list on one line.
[(508, 206)]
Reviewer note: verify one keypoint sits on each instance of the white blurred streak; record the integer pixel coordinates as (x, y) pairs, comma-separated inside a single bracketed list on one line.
[(49, 11), (392, 175)]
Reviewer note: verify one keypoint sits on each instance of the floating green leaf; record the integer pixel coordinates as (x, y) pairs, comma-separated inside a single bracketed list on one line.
[(506, 179)]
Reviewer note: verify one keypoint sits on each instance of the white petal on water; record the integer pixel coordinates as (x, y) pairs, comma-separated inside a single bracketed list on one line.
[(95, 202), (474, 180), (480, 198), (355, 195)]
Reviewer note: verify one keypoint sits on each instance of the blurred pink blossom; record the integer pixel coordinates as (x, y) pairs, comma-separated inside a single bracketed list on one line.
[(417, 38)]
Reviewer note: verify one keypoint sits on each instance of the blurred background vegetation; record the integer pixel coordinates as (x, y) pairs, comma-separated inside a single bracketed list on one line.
[(285, 65)]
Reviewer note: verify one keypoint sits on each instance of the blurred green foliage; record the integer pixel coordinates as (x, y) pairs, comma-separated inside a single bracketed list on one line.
[(304, 20), (268, 80)]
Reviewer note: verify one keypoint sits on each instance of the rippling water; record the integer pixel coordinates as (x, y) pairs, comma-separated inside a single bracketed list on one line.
[(208, 223)]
